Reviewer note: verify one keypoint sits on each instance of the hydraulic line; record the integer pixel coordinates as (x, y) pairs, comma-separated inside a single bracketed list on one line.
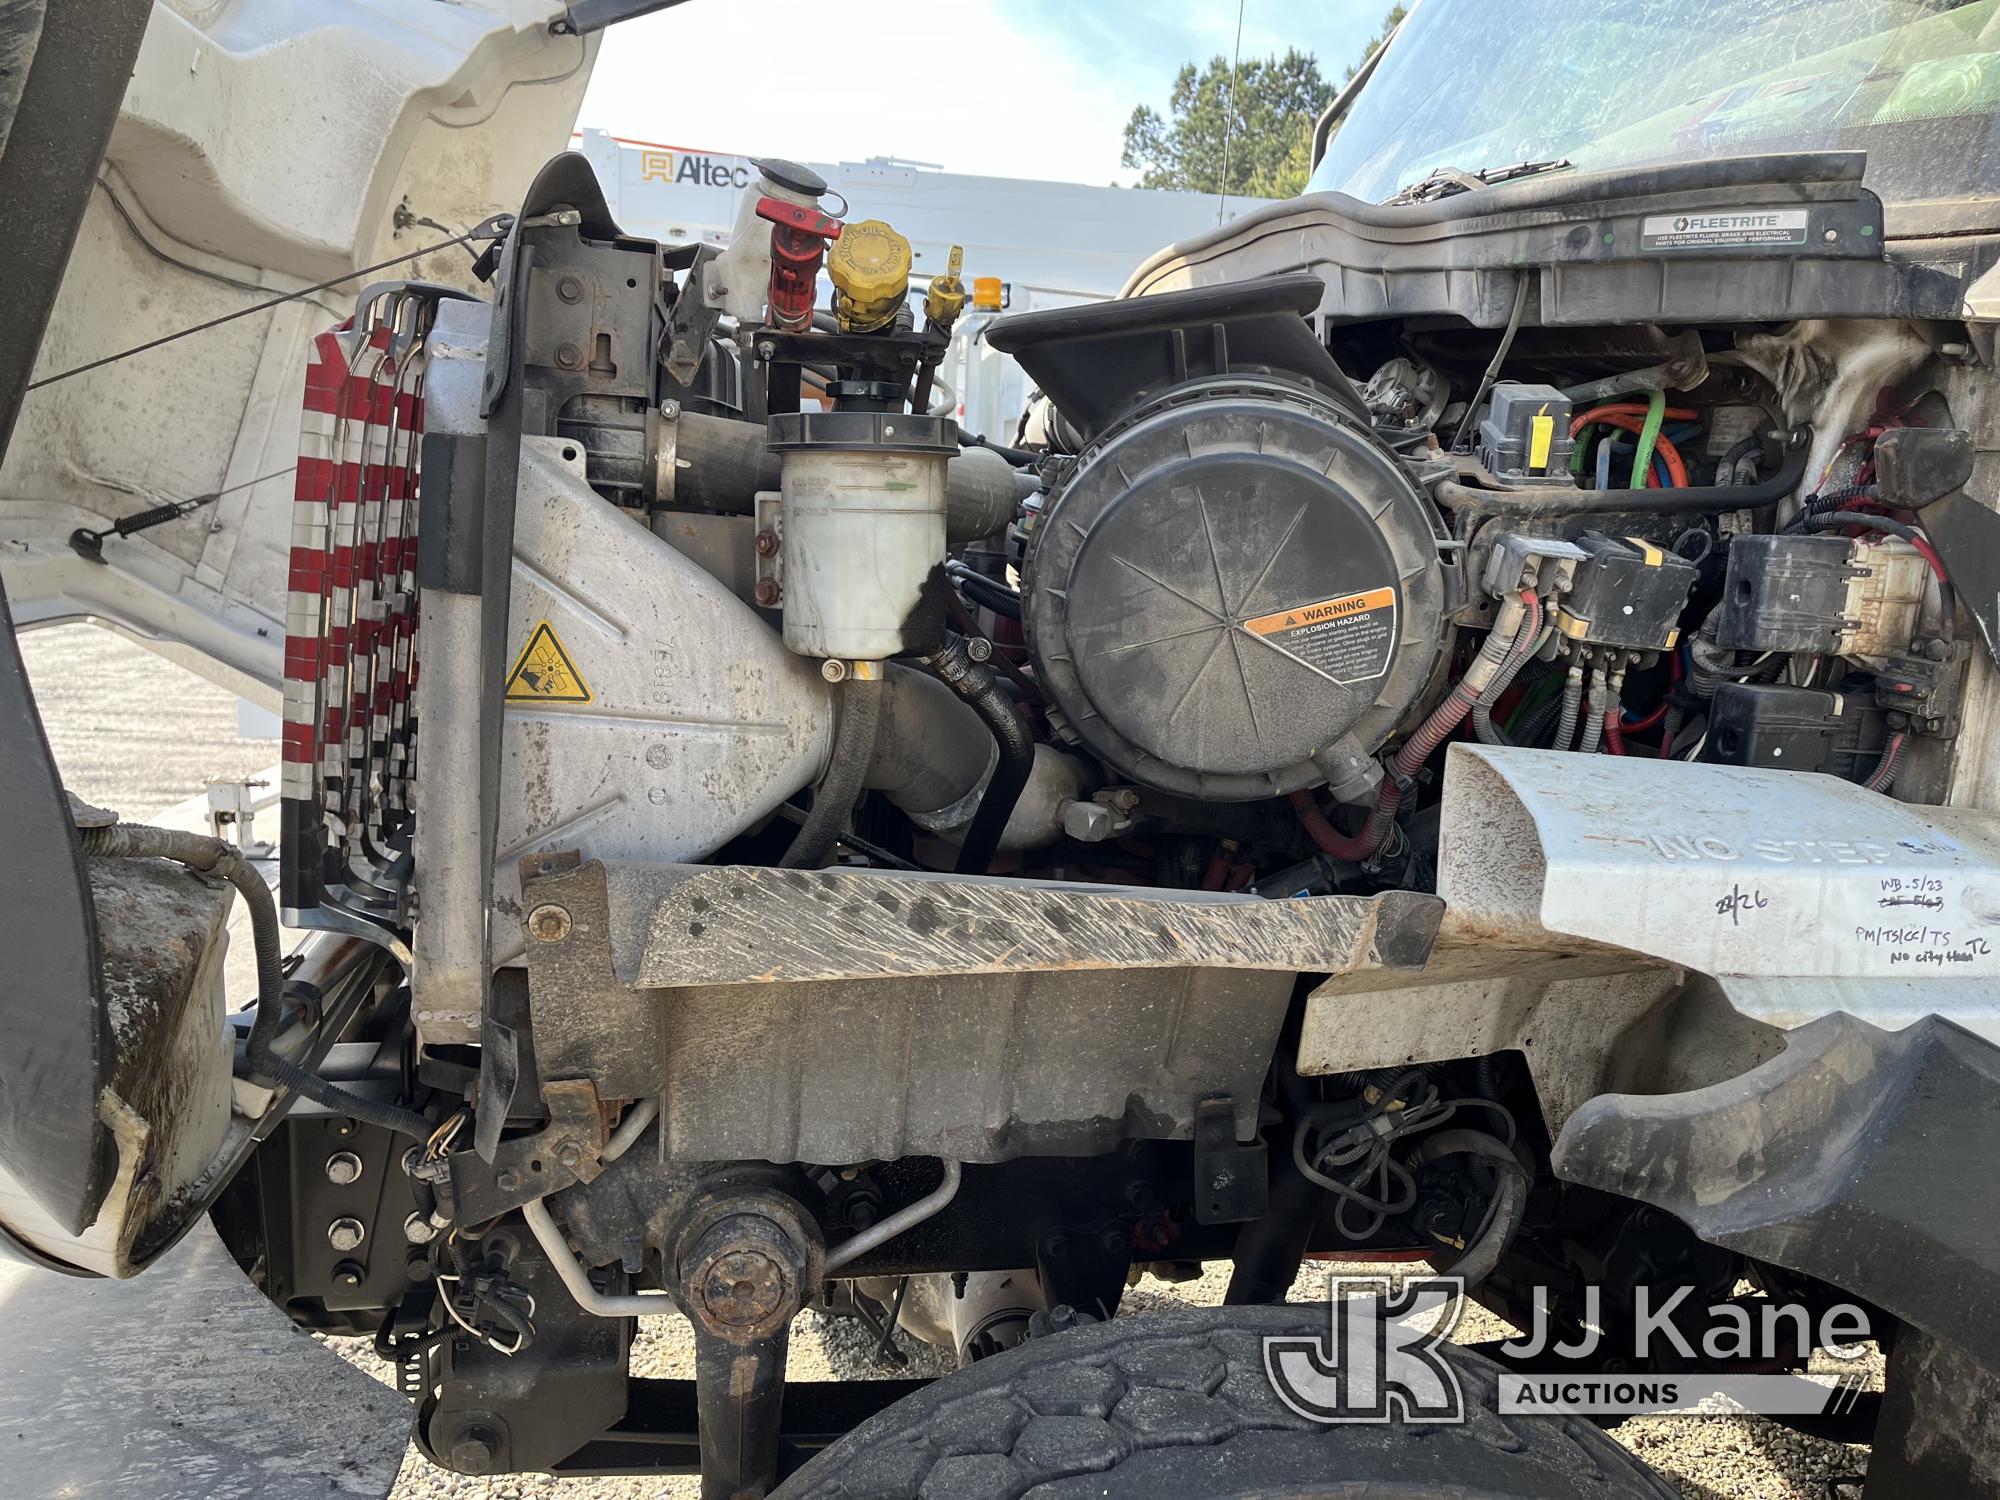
[(215, 856), (833, 800)]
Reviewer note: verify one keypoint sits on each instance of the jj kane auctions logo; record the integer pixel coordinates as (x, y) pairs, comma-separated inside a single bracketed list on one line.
[(1382, 1359)]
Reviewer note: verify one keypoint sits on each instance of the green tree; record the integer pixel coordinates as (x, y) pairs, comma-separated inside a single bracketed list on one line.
[(1389, 23), (1261, 121), (1259, 116)]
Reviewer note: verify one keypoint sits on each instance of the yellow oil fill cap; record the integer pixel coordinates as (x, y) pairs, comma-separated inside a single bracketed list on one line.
[(870, 268)]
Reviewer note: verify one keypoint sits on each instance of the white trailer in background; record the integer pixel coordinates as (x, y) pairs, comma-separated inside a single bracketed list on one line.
[(1048, 244)]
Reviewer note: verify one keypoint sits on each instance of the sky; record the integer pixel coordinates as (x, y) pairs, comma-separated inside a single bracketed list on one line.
[(1006, 88)]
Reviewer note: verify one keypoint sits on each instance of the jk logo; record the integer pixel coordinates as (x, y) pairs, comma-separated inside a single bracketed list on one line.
[(1380, 1359)]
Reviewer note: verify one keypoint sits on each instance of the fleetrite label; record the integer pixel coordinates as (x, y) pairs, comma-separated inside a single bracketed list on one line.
[(1713, 231)]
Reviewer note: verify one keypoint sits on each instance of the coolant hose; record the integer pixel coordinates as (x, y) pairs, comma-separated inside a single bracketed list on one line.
[(975, 683), (833, 799), (213, 856), (1510, 1198), (722, 463)]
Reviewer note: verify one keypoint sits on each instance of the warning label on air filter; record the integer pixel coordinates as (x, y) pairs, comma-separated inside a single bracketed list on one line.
[(1348, 639)]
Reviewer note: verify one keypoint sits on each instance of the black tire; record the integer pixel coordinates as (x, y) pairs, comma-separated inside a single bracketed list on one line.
[(1176, 1404)]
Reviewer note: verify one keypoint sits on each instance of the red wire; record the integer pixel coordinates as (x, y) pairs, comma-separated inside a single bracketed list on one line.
[(1676, 469), (1614, 736), (1625, 409), (1640, 726)]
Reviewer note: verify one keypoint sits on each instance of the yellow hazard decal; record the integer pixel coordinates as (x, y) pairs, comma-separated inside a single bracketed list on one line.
[(1324, 610), (1347, 639), (545, 673)]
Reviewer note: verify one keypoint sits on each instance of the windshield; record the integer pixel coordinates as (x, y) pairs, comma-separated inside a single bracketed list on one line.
[(1481, 84)]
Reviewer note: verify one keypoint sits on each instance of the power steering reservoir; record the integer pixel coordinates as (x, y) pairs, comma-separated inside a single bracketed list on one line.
[(863, 530)]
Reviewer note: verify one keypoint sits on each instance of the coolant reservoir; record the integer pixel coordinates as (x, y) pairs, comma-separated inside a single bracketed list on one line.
[(862, 530)]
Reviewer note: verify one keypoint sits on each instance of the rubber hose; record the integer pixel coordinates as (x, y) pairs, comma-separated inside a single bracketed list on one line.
[(1822, 504), (1725, 470), (1572, 707), (833, 799), (1510, 1200), (724, 463), (1670, 728), (1548, 500), (975, 683), (219, 857), (1614, 732), (1649, 437)]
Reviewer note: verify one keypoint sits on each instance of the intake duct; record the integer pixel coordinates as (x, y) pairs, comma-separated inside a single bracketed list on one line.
[(1234, 590)]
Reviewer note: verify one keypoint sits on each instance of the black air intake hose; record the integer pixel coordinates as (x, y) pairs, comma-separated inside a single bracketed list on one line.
[(218, 857), (833, 800), (977, 685)]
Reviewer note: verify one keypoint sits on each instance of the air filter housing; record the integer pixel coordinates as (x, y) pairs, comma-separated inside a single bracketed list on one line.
[(1236, 592)]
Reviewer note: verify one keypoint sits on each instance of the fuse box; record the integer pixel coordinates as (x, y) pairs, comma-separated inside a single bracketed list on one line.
[(1783, 728), (1824, 595), (1524, 436), (1625, 593)]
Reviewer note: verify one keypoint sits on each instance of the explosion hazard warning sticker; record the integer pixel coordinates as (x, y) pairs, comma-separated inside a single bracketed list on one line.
[(544, 672), (1349, 639)]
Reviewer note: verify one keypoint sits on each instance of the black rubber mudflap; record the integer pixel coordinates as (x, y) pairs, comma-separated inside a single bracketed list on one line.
[(1177, 1404)]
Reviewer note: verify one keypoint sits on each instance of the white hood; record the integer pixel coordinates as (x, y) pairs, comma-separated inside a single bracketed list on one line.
[(263, 146)]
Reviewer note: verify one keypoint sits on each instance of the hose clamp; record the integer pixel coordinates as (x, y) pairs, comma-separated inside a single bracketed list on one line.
[(663, 441)]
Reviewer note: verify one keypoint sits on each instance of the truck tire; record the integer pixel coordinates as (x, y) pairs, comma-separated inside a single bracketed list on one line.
[(1177, 1404)]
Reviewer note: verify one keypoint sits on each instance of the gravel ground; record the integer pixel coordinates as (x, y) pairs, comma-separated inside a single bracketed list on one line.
[(136, 734)]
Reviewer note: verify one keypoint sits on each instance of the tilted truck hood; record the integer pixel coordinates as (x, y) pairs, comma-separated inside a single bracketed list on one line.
[(262, 147)]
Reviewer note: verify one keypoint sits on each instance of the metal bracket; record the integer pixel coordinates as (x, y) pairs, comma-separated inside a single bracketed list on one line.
[(1232, 1181), (565, 1152)]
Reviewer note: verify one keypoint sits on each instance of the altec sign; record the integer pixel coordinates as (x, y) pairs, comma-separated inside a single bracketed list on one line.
[(694, 168)]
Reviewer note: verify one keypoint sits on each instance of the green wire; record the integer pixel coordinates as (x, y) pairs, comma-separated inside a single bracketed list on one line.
[(1656, 416)]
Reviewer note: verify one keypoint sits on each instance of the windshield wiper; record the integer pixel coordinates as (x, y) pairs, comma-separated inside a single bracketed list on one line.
[(1447, 182)]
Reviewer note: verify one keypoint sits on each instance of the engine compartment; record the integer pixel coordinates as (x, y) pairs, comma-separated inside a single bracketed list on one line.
[(993, 862)]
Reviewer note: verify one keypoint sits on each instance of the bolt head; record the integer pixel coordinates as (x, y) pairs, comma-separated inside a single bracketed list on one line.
[(670, 409), (508, 1181), (345, 1234), (569, 289), (833, 669), (549, 923), (569, 356), (979, 648), (419, 1230), (569, 1153), (742, 1288), (342, 1168), (472, 1452), (766, 349), (767, 543), (768, 593)]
